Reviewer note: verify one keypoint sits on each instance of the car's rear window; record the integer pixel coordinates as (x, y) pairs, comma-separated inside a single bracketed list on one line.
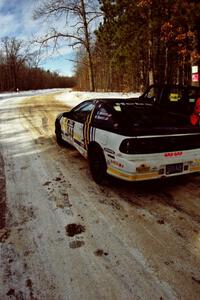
[(130, 111), (138, 114)]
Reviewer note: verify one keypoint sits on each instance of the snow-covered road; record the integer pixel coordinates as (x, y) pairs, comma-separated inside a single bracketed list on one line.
[(67, 238), (29, 93)]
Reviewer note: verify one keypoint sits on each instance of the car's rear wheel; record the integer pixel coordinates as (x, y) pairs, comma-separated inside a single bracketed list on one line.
[(97, 163)]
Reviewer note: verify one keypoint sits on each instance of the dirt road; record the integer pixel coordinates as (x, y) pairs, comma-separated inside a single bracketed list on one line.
[(64, 237)]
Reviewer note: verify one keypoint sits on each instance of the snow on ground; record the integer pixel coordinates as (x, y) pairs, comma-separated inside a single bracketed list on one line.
[(27, 93), (129, 241), (74, 98), (71, 98)]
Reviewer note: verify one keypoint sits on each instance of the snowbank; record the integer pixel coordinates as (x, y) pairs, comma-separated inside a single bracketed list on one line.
[(27, 93), (68, 96), (74, 98)]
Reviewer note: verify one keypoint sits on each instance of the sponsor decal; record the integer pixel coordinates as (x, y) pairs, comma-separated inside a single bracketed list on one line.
[(109, 151), (173, 154), (155, 169), (131, 177), (111, 156), (174, 97), (79, 143), (70, 128), (116, 163)]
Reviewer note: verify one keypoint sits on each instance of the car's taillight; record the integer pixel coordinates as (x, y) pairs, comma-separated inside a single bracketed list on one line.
[(127, 146), (159, 144)]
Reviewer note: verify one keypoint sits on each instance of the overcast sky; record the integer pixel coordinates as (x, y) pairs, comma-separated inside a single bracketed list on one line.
[(16, 21)]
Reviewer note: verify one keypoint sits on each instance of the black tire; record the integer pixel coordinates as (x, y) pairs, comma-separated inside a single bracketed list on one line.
[(59, 139), (97, 164)]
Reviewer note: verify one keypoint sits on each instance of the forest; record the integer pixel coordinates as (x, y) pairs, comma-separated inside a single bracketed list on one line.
[(19, 69), (120, 45), (143, 42)]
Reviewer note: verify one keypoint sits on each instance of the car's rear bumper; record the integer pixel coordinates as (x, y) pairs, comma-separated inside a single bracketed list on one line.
[(135, 168)]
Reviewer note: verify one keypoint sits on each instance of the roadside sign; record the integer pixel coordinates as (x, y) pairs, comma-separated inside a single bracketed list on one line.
[(194, 69), (195, 77)]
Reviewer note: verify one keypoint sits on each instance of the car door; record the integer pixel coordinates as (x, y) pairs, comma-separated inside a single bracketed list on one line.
[(77, 124), (105, 124)]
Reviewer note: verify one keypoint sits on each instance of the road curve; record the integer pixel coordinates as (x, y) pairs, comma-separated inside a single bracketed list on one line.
[(65, 237)]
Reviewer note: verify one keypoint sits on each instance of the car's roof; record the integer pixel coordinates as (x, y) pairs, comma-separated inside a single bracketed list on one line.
[(119, 100), (175, 85), (111, 100), (106, 100)]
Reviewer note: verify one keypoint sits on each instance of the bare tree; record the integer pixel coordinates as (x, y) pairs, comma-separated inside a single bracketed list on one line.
[(16, 54), (79, 16), (16, 59)]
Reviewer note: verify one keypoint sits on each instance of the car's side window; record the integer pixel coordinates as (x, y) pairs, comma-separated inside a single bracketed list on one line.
[(192, 95), (104, 117), (151, 94), (80, 113)]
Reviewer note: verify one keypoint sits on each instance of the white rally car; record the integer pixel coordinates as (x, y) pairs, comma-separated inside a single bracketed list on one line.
[(131, 140)]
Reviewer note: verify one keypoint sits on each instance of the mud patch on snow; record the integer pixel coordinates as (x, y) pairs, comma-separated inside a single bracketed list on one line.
[(45, 123), (100, 252), (161, 222), (168, 200), (11, 292), (24, 168), (76, 244), (196, 280), (29, 285), (57, 192), (4, 234), (62, 202), (58, 179), (179, 234), (26, 213), (47, 183), (18, 295), (74, 229), (111, 202), (149, 195)]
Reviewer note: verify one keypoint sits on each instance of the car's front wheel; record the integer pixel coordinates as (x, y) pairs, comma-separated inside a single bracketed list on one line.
[(59, 139), (97, 163)]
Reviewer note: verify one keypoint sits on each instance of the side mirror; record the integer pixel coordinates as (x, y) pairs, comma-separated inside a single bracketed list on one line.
[(66, 114)]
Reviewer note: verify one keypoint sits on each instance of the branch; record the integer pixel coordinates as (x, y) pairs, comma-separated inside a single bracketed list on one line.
[(48, 9), (78, 61), (58, 35)]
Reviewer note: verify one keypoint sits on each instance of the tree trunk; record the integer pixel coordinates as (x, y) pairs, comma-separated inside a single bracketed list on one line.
[(151, 79), (88, 47), (166, 64)]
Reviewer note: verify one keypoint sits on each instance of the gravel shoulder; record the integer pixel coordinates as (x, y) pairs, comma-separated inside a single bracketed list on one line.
[(65, 237)]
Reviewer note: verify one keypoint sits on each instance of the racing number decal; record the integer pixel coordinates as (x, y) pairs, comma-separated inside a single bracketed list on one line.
[(70, 128)]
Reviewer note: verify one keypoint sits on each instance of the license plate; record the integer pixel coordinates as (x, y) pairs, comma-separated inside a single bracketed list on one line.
[(174, 168)]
